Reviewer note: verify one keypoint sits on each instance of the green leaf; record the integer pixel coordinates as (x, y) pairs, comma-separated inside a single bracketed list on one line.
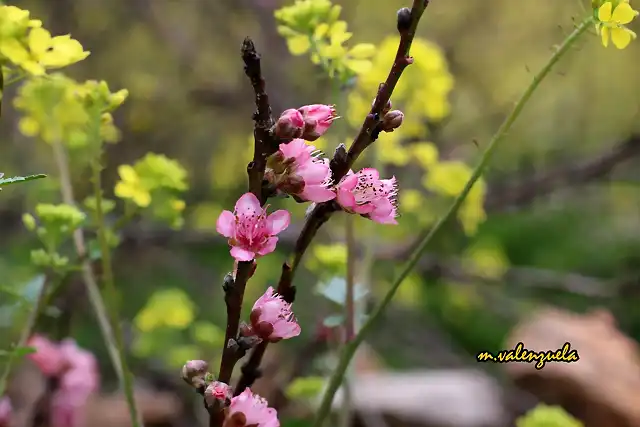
[(335, 290), (333, 320), (18, 352), (305, 387), (23, 351), (17, 179)]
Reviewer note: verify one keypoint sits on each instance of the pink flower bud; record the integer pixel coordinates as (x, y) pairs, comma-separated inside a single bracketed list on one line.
[(392, 120), (366, 194), (218, 394), (272, 318), (317, 120), (194, 372), (290, 124), (248, 409), (250, 231), (5, 411)]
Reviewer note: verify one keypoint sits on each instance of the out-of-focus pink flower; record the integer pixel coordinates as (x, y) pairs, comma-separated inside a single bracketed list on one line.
[(317, 120), (67, 409), (297, 170), (290, 124), (272, 318), (250, 231), (366, 194), (5, 411), (47, 357), (82, 374), (248, 409)]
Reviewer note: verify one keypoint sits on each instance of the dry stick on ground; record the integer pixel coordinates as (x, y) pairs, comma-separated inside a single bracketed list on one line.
[(341, 164)]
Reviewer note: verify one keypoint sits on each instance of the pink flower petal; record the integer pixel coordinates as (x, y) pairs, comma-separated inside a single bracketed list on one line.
[(349, 182), (346, 199), (269, 246), (248, 205), (278, 221), (241, 254), (314, 172), (317, 193), (226, 224)]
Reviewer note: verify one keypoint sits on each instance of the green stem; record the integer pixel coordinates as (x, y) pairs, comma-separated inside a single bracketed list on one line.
[(112, 293), (350, 349), (25, 334)]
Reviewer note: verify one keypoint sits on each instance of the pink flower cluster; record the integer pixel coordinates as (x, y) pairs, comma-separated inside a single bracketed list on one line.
[(298, 170), (77, 372)]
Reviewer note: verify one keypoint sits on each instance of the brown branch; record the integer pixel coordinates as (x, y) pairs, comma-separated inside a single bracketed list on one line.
[(265, 144), (566, 175), (407, 23)]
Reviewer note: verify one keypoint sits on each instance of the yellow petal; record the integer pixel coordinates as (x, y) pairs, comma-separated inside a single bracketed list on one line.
[(358, 66), (39, 41), (362, 51), (604, 13), (142, 198), (623, 14), (299, 45), (620, 37), (604, 34), (127, 173)]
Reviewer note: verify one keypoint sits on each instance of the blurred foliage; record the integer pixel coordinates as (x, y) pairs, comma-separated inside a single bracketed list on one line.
[(548, 416)]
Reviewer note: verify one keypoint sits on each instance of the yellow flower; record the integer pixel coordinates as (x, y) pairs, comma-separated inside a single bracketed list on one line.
[(130, 187), (612, 20), (54, 52)]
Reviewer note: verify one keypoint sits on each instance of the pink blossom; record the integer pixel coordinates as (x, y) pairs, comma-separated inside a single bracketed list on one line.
[(82, 375), (366, 194), (248, 409), (296, 170), (5, 411), (250, 231), (317, 118), (67, 409), (272, 318), (290, 124), (47, 357)]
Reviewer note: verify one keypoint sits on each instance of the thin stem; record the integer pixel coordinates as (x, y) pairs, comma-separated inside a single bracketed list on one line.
[(25, 334), (88, 275), (112, 292), (350, 349)]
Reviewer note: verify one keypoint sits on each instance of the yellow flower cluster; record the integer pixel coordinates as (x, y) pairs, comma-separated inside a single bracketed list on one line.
[(57, 108), (313, 26), (155, 178), (31, 48), (611, 17)]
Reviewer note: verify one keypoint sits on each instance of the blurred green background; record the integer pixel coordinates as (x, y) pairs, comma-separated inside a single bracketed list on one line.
[(562, 194)]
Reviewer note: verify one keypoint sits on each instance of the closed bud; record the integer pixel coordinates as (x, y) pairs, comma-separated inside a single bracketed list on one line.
[(290, 124), (404, 19), (194, 373), (317, 120), (218, 395), (392, 120)]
